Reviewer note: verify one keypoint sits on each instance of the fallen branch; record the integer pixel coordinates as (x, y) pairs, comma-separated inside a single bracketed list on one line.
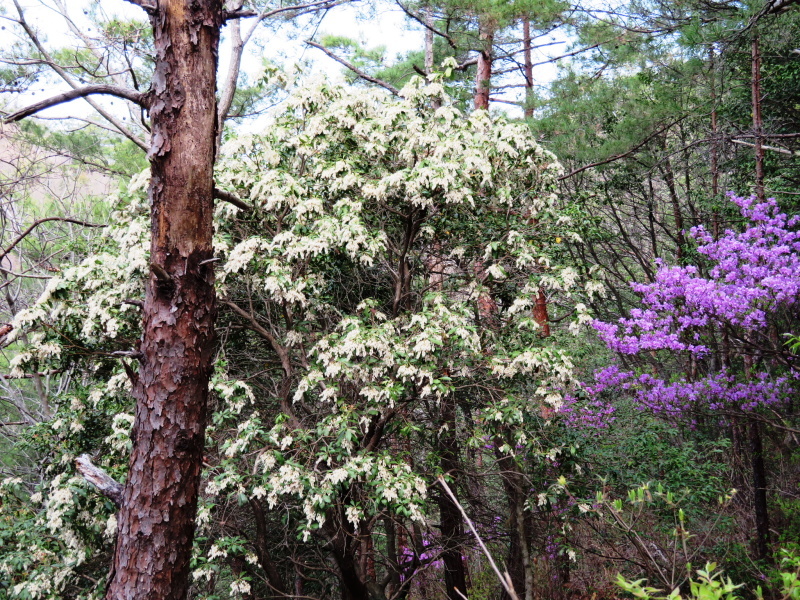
[(106, 485)]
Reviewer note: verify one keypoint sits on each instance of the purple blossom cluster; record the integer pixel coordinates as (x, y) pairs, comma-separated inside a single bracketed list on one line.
[(752, 274), (720, 391), (595, 414)]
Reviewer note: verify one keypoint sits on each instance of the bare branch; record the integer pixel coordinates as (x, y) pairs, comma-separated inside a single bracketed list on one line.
[(505, 578), (109, 90), (120, 127), (777, 6), (355, 69), (148, 7), (467, 63), (622, 154), (35, 224), (32, 375), (106, 485), (773, 148), (246, 14), (127, 354), (427, 25), (232, 199)]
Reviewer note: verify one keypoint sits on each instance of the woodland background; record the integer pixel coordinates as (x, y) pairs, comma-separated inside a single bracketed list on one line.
[(410, 287)]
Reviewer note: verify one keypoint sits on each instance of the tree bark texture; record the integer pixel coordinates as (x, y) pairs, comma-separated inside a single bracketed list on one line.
[(483, 77), (156, 520)]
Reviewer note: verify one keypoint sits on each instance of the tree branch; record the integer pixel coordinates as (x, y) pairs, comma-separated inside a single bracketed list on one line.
[(35, 224), (120, 127), (281, 351), (148, 7), (247, 14), (765, 147), (427, 25), (139, 98), (777, 6), (232, 198), (32, 375), (105, 484), (355, 69), (504, 577), (622, 154)]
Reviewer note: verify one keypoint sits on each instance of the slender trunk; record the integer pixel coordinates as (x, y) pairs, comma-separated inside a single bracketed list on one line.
[(483, 77), (669, 179), (526, 49), (651, 216), (759, 493), (540, 314), (714, 142), (429, 40), (262, 549), (518, 550), (451, 525), (758, 124), (156, 520)]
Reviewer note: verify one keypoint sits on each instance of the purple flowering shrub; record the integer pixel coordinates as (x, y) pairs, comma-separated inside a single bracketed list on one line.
[(747, 290)]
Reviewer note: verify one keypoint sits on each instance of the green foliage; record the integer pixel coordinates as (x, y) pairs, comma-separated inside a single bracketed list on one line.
[(710, 584)]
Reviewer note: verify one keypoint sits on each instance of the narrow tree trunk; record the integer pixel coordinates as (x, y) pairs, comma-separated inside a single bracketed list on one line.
[(714, 145), (758, 124), (451, 524), (518, 557), (526, 52), (156, 520), (540, 314), (429, 40), (669, 179), (483, 77), (759, 492)]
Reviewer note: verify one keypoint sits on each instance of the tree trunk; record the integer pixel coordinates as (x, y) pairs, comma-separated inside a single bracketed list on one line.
[(156, 520), (759, 493), (518, 559), (526, 50), (669, 179), (758, 124), (429, 40), (483, 77), (452, 526)]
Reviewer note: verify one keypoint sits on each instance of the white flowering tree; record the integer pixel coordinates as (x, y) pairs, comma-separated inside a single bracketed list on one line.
[(376, 283)]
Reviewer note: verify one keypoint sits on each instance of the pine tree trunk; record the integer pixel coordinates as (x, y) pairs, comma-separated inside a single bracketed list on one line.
[(526, 51), (156, 520), (483, 77)]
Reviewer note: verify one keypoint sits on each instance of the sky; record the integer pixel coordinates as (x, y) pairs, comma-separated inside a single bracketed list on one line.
[(372, 22)]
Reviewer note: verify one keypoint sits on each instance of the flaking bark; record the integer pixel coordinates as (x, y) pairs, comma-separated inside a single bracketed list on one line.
[(156, 520)]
